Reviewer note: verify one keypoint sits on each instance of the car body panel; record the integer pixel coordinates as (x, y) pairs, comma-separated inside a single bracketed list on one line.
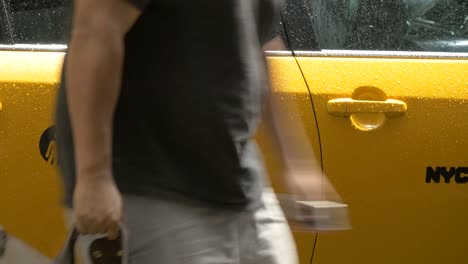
[(30, 193), (381, 173)]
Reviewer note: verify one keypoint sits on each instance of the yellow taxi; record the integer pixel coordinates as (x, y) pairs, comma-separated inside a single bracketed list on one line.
[(381, 88)]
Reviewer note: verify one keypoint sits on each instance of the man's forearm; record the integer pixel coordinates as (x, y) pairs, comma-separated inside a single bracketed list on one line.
[(93, 75), (288, 137)]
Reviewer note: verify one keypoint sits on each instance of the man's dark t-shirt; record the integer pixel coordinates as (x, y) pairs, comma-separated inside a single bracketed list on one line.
[(193, 80)]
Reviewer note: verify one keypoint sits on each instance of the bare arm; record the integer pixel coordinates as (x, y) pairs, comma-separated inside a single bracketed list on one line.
[(287, 137), (301, 176), (93, 75)]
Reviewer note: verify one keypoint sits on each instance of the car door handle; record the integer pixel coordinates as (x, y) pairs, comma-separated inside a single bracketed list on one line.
[(349, 106)]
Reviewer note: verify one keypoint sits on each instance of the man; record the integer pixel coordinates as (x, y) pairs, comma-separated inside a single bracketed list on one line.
[(155, 118)]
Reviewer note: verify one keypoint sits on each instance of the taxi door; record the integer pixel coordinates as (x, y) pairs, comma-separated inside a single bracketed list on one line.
[(389, 86), (30, 63)]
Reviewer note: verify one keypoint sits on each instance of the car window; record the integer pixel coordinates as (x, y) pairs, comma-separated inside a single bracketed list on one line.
[(407, 25), (5, 37), (34, 21)]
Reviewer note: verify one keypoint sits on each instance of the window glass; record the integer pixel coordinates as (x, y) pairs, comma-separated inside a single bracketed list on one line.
[(37, 21), (407, 25), (5, 36), (277, 40)]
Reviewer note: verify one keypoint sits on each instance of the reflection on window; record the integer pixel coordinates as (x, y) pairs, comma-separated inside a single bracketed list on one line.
[(38, 21), (408, 25)]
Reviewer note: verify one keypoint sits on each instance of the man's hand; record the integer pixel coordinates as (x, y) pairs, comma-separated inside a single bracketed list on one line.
[(308, 183), (311, 202), (98, 206)]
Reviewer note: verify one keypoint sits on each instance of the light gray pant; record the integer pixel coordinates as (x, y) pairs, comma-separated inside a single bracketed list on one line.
[(167, 232)]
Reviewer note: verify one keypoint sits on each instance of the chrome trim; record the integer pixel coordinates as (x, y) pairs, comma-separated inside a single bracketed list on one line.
[(278, 53), (382, 54), (34, 47), (285, 53)]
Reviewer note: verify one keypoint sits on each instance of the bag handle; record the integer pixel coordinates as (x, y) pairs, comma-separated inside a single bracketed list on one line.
[(67, 254)]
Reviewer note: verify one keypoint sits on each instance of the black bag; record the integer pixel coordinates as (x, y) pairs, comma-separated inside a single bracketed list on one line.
[(101, 250)]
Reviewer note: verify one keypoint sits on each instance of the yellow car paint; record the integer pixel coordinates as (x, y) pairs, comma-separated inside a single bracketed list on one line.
[(397, 217), (30, 193)]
